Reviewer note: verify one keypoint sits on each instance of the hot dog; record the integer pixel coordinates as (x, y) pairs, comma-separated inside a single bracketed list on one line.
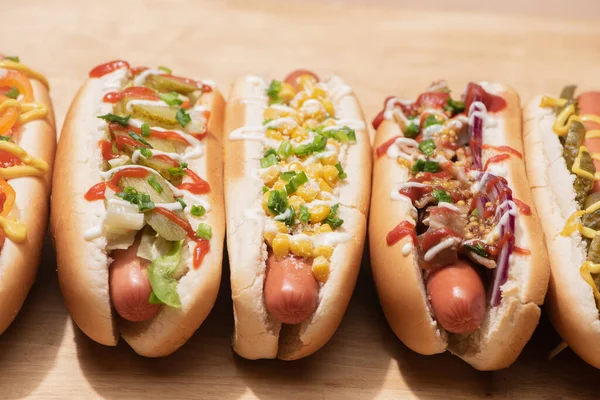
[(456, 248), (139, 238), (130, 287), (297, 179), (291, 290), (28, 137), (562, 147)]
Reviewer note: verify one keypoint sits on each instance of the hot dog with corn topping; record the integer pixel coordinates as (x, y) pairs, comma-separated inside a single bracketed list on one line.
[(562, 149), (297, 177), (27, 145), (455, 243), (137, 210)]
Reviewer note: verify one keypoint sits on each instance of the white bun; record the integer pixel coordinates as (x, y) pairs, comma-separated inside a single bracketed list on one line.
[(256, 333), (570, 303), (83, 265), (506, 328)]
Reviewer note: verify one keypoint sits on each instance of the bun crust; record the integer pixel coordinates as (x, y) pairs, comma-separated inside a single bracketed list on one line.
[(19, 261), (83, 264), (256, 334), (570, 303), (505, 329)]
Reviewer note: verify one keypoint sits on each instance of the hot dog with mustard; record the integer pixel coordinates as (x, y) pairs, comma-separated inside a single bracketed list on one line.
[(562, 149), (27, 146), (137, 210), (297, 179), (455, 242)]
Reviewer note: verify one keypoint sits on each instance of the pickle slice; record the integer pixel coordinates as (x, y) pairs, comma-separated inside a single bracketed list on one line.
[(164, 227), (143, 186), (161, 167), (573, 141), (167, 84), (155, 115)]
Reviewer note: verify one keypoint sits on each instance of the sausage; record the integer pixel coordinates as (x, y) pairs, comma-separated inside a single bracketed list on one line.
[(129, 285), (457, 297), (589, 103), (293, 76), (291, 290)]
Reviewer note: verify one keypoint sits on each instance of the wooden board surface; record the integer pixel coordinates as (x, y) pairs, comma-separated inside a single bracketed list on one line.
[(380, 50)]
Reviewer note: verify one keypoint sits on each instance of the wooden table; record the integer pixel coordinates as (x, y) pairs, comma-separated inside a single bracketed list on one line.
[(380, 50)]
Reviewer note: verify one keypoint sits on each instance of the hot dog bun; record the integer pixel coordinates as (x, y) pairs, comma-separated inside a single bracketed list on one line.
[(19, 261), (570, 303), (257, 334), (399, 280), (83, 264)]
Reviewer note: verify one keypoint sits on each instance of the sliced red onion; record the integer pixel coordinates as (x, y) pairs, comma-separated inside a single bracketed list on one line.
[(476, 130)]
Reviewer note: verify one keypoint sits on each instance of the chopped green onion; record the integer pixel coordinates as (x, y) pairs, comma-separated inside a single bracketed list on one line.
[(291, 219), (273, 92), (304, 214), (284, 150), (145, 130), (454, 106), (13, 93), (475, 212), (411, 131), (267, 161), (171, 99), (146, 152), (266, 121), (123, 121), (183, 117), (154, 183), (180, 201), (426, 166), (277, 202), (270, 151), (441, 196), (176, 171), (204, 231), (332, 220), (427, 147), (298, 180), (265, 189), (431, 120), (165, 69), (142, 200), (341, 172), (343, 134), (198, 211), (318, 144), (286, 176)]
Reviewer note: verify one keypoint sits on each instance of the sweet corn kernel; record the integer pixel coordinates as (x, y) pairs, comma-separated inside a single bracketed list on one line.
[(330, 175), (296, 166), (334, 143), (271, 113), (318, 93), (314, 170), (269, 236), (330, 160), (403, 161), (324, 228), (324, 186), (329, 122), (310, 124), (323, 251), (328, 107), (306, 82), (273, 134), (279, 185), (319, 213), (307, 192), (271, 176), (264, 203), (299, 134), (281, 246), (287, 92), (281, 227), (300, 98), (320, 269), (301, 248), (296, 202)]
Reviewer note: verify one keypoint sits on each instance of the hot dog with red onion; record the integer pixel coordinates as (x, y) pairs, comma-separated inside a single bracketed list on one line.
[(297, 179), (456, 248), (137, 207), (562, 149)]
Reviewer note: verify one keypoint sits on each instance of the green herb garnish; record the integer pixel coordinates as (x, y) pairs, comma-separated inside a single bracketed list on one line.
[(277, 202), (427, 147), (171, 99), (204, 231), (198, 211), (123, 121), (332, 220), (426, 166), (13, 93), (441, 196), (273, 92), (183, 117)]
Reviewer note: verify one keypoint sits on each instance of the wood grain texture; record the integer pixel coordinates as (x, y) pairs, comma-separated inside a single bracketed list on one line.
[(380, 50)]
